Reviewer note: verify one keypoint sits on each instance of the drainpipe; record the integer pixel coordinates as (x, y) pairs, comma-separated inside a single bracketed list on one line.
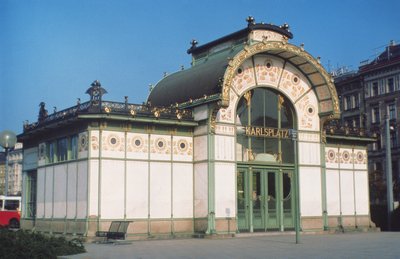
[(389, 185)]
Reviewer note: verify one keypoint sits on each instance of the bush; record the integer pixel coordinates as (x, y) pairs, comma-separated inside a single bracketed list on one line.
[(26, 244)]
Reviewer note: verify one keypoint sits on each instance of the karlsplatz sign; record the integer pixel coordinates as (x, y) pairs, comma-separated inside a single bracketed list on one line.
[(267, 132)]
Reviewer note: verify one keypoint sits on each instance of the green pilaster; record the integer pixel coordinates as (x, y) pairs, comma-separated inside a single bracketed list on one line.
[(211, 179), (323, 186)]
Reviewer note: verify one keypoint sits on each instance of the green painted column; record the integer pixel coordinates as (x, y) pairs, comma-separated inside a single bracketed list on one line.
[(211, 180), (323, 187)]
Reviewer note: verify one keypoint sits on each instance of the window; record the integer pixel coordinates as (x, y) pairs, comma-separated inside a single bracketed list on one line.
[(382, 88), (50, 154), (73, 149), (356, 101), (62, 149), (375, 115), (31, 186), (264, 120), (348, 105), (392, 111), (375, 89), (390, 85), (393, 139)]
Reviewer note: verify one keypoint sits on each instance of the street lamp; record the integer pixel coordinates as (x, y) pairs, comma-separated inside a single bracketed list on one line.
[(7, 141)]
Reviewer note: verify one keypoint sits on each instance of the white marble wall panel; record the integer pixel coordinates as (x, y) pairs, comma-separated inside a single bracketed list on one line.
[(94, 144), (331, 157), (201, 130), (113, 144), (225, 186), (82, 200), (333, 192), (137, 189), (40, 155), (346, 158), (362, 192), (227, 115), (224, 148), (94, 188), (72, 183), (48, 212), (160, 147), (83, 144), (40, 191), (244, 77), (310, 191), (200, 113), (60, 193), (137, 146), (347, 192), (182, 190), (200, 148), (268, 70), (223, 129), (200, 190), (160, 190), (309, 153), (112, 189), (307, 112), (309, 136), (360, 159), (182, 148)]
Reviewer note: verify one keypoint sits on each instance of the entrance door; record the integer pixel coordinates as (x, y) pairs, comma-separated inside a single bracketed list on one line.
[(265, 200)]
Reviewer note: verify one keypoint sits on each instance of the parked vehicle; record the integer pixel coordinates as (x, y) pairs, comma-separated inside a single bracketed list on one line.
[(10, 211)]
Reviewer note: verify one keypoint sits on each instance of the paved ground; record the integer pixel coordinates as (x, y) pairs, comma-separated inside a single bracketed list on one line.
[(348, 245)]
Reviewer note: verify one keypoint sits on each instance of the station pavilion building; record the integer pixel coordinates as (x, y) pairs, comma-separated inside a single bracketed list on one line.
[(236, 143)]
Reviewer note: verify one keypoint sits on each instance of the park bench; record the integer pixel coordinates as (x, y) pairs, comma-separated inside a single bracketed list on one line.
[(117, 231)]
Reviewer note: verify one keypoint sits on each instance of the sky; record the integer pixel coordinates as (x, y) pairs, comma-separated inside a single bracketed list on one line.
[(52, 50)]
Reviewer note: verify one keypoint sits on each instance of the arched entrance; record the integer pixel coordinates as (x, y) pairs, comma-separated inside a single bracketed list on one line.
[(265, 154)]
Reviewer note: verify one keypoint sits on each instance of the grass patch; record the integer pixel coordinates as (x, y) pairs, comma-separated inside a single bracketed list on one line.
[(27, 244)]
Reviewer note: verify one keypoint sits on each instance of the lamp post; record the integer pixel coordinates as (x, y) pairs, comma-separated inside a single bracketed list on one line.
[(7, 141), (389, 185)]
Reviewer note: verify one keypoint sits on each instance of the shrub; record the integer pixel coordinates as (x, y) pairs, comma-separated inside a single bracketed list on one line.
[(26, 244)]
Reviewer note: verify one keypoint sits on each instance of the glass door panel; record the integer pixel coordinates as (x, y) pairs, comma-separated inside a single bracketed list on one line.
[(257, 206), (272, 200), (242, 203), (288, 201)]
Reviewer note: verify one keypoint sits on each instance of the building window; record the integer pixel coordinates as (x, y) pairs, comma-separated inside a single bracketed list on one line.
[(347, 105), (356, 101), (393, 139), (51, 150), (392, 111), (62, 149), (375, 89), (390, 85), (375, 115), (31, 186), (382, 88), (73, 148)]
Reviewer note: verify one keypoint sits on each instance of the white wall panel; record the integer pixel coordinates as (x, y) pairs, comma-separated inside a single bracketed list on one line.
[(332, 157), (94, 143), (112, 189), (160, 147), (137, 146), (84, 143), (82, 190), (31, 158), (60, 193), (309, 153), (225, 186), (49, 192), (362, 192), (41, 179), (200, 190), (346, 158), (200, 148), (137, 189), (360, 159), (113, 144), (333, 192), (160, 190), (182, 190), (347, 192), (71, 190), (94, 188), (310, 191), (224, 148), (182, 148)]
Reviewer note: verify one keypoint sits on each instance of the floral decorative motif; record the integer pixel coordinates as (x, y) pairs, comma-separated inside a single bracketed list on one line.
[(83, 142), (346, 156), (95, 143)]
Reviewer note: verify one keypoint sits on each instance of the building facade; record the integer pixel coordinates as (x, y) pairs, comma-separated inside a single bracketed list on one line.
[(14, 171), (368, 96), (233, 144)]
